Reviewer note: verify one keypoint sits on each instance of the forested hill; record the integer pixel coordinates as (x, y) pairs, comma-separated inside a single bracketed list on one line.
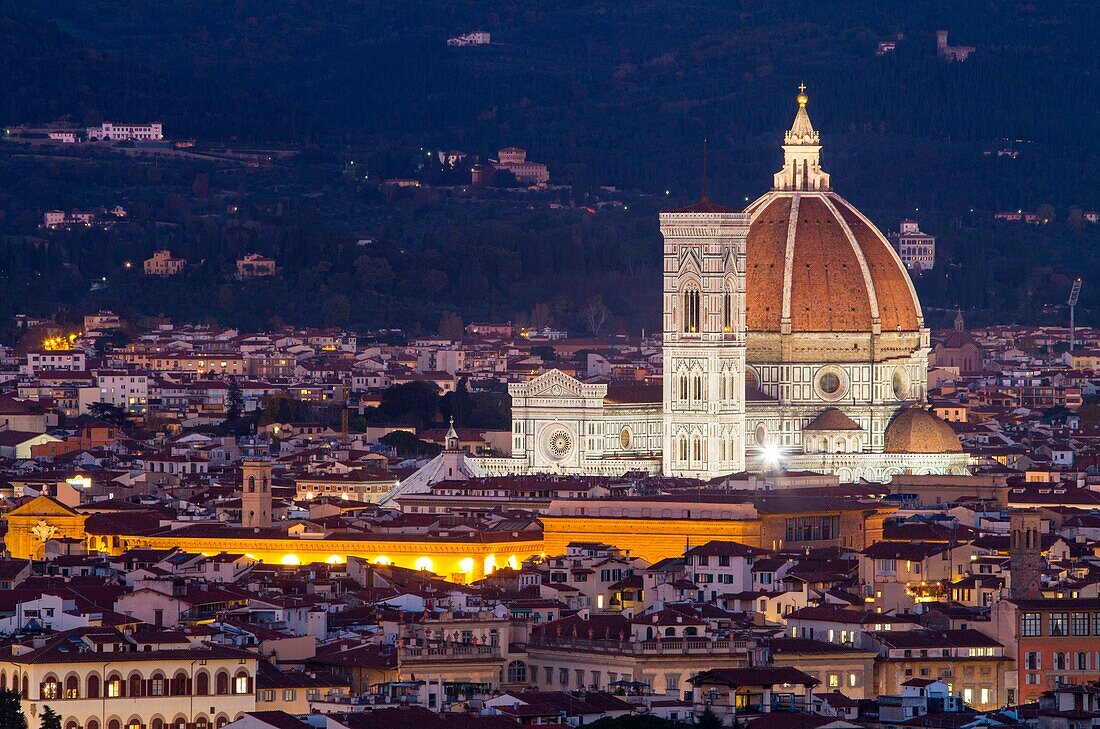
[(606, 92), (611, 92)]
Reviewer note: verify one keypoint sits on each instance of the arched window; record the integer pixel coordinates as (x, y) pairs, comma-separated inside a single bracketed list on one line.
[(263, 485), (698, 449), (691, 317), (93, 686), (691, 632), (92, 724), (242, 684), (202, 684), (179, 684), (136, 685), (670, 632), (26, 686), (157, 723), (517, 672), (221, 683), (683, 448), (50, 689), (722, 386), (727, 307), (72, 687), (113, 724), (251, 483), (697, 386), (684, 394)]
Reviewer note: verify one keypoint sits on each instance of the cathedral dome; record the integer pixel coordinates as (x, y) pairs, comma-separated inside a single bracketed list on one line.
[(915, 430), (815, 264)]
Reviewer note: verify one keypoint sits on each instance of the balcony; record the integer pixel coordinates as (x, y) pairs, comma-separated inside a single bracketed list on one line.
[(667, 647), (450, 652)]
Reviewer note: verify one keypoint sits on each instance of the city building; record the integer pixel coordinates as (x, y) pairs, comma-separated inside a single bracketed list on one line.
[(101, 678), (792, 336)]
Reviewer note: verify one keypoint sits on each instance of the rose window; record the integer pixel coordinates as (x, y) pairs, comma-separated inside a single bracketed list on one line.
[(559, 444)]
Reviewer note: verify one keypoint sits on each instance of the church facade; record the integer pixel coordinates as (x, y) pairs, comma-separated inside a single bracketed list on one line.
[(793, 338)]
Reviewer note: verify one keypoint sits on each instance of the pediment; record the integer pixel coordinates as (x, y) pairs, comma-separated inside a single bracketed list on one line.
[(42, 506), (557, 384)]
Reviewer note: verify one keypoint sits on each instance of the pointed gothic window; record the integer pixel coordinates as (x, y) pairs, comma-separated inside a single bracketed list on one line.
[(727, 307), (698, 449), (691, 317)]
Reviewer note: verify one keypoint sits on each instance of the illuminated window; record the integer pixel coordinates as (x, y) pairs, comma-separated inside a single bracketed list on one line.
[(50, 689), (240, 684), (114, 688), (691, 310)]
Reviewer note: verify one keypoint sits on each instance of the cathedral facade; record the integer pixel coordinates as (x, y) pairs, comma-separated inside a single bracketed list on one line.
[(793, 338)]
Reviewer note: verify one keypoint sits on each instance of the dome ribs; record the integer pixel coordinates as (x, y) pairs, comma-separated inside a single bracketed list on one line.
[(898, 310), (828, 292), (766, 248)]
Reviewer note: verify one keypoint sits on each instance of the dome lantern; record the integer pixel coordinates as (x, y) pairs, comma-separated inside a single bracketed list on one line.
[(801, 153)]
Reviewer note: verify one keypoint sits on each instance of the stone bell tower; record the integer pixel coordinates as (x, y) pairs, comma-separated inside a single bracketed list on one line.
[(703, 428), (256, 494), (1025, 555)]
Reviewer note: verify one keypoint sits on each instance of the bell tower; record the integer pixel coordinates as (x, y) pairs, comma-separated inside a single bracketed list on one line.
[(1025, 555), (256, 494), (703, 425)]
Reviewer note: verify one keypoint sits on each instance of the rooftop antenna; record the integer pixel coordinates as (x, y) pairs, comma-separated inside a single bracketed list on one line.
[(1074, 294)]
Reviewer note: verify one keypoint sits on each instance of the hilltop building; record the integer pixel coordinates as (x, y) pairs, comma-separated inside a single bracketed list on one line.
[(916, 248), (474, 38), (253, 265), (514, 160), (950, 52), (111, 132), (162, 264)]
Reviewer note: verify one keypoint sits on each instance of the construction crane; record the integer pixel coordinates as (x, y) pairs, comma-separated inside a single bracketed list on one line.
[(1074, 294)]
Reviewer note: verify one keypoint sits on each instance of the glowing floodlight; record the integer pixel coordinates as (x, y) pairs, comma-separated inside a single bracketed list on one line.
[(771, 454)]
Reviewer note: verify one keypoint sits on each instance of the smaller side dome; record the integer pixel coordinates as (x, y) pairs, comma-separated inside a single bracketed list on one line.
[(915, 430), (832, 419)]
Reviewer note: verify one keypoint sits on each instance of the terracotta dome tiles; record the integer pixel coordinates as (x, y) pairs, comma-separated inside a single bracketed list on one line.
[(766, 247), (828, 287)]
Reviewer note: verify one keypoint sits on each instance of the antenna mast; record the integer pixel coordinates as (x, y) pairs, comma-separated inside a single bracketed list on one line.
[(1074, 294)]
